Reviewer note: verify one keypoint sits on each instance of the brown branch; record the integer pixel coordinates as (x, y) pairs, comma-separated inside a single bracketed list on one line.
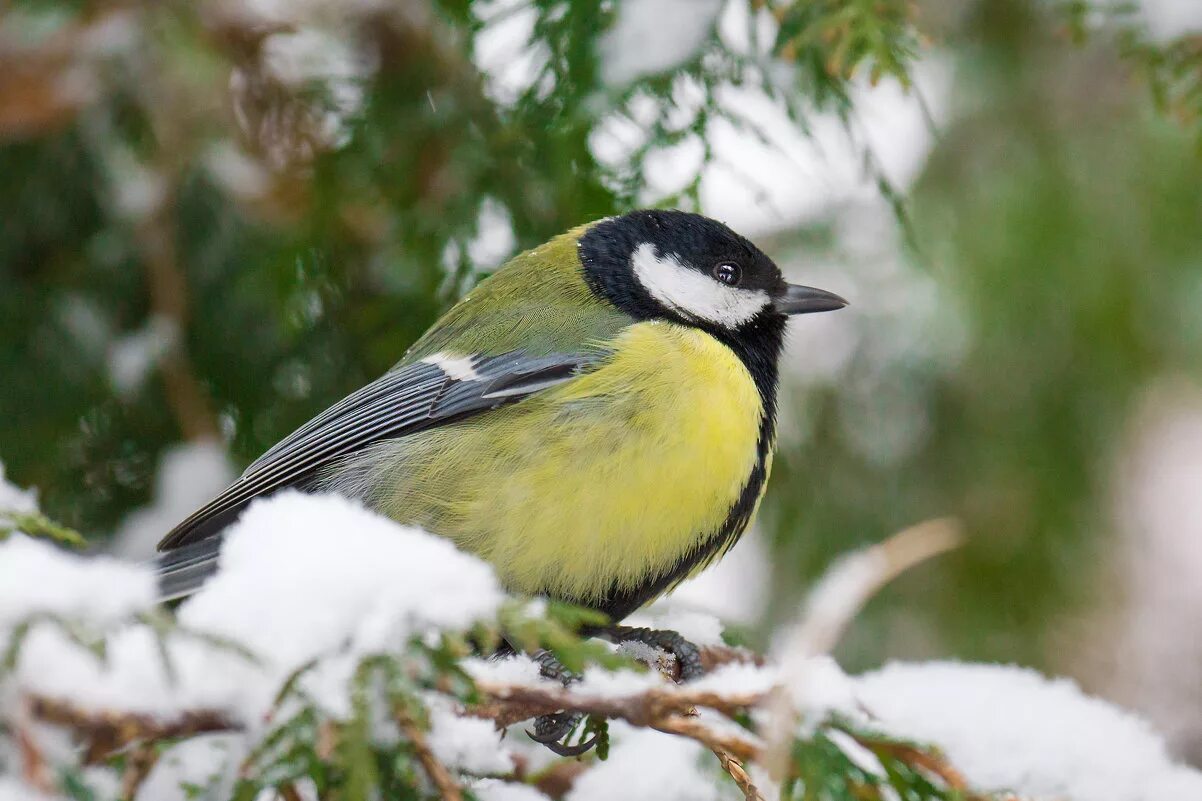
[(916, 758), (448, 788), (737, 746), (508, 704), (168, 289), (106, 732), (734, 769), (34, 770), (141, 761)]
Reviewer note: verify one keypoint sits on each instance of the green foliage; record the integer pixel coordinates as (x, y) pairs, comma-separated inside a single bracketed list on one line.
[(36, 524)]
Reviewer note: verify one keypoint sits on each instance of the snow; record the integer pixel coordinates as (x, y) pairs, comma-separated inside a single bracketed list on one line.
[(495, 790), (301, 574), (37, 578), (207, 762), (15, 499), (518, 670), (352, 582), (649, 766), (188, 476), (600, 683), (310, 56), (236, 171), (1008, 728), (653, 36), (132, 357), (346, 570), (12, 789), (466, 743), (307, 577), (503, 50), (1159, 560), (698, 627), (1169, 19), (494, 240), (737, 678)]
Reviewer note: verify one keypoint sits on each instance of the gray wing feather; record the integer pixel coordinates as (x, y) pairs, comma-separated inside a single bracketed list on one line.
[(409, 399)]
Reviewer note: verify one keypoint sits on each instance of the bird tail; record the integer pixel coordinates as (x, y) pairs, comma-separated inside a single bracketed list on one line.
[(181, 571)]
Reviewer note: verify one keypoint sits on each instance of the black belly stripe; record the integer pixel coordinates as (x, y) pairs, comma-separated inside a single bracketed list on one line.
[(759, 350)]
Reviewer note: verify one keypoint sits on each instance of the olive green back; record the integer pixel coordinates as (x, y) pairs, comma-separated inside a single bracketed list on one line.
[(538, 302)]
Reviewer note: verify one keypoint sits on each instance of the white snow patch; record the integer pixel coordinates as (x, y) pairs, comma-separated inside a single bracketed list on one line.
[(236, 171), (13, 789), (497, 790), (466, 743), (349, 574), (37, 578), (737, 678), (1169, 19), (648, 766), (653, 36), (208, 762), (188, 476), (699, 628), (818, 686), (132, 357), (352, 583), (600, 683), (1159, 511), (503, 51), (494, 240), (1009, 728), (518, 669)]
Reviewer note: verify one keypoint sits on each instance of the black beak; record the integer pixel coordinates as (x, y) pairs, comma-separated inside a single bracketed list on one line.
[(799, 299)]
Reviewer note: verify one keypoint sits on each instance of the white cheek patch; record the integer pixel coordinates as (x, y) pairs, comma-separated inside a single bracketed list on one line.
[(458, 368), (693, 294)]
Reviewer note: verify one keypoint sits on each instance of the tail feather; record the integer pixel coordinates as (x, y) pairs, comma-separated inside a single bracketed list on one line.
[(181, 571)]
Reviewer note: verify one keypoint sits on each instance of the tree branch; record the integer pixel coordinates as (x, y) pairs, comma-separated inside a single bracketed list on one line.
[(448, 788)]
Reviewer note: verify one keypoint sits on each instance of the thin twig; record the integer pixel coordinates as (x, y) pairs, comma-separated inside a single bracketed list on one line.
[(34, 770), (736, 745), (734, 769), (448, 788), (138, 765), (834, 602)]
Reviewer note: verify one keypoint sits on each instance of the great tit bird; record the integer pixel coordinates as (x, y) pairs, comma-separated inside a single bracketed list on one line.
[(596, 419)]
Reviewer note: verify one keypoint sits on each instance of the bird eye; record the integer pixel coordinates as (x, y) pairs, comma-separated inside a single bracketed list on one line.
[(728, 273)]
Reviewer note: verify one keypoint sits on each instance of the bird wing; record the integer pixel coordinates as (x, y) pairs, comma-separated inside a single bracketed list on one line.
[(432, 392)]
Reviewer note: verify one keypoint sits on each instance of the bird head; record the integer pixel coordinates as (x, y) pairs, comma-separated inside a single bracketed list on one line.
[(693, 270)]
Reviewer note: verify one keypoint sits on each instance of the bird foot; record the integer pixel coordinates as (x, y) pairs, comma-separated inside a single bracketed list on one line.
[(688, 655), (552, 730)]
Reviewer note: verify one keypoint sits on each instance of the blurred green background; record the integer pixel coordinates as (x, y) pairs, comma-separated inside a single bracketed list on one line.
[(219, 217)]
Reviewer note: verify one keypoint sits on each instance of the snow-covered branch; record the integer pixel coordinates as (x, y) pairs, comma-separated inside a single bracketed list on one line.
[(360, 664)]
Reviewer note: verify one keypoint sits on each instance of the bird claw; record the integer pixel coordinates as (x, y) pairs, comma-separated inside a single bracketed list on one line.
[(688, 655), (549, 730), (551, 668)]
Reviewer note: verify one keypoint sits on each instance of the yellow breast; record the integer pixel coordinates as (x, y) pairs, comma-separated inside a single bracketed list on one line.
[(608, 479)]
